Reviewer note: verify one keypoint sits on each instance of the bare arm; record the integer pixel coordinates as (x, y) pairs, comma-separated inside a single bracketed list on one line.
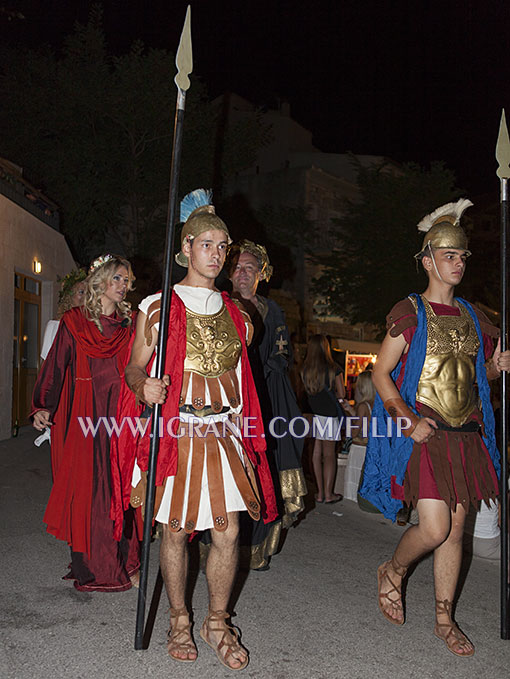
[(339, 386), (362, 411), (150, 390), (391, 350)]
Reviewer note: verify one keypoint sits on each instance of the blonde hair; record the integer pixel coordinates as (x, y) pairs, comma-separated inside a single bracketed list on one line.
[(66, 299), (97, 282), (365, 390), (319, 368)]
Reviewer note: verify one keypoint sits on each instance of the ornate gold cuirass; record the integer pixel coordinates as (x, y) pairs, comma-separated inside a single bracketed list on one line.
[(212, 344), (447, 381)]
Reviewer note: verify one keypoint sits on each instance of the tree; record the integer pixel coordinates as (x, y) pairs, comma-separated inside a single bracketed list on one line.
[(95, 132), (371, 265), (284, 231)]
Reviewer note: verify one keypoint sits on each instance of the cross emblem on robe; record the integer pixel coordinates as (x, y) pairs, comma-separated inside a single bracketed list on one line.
[(281, 344)]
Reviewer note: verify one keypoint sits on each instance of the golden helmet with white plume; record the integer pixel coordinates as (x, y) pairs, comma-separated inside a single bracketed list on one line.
[(442, 229)]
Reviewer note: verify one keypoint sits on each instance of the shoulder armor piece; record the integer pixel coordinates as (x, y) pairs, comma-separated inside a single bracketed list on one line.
[(401, 317)]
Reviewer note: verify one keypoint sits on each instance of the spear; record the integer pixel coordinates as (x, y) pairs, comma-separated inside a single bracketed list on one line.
[(503, 172), (184, 63)]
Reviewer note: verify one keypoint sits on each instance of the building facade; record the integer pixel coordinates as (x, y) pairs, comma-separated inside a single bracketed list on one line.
[(33, 253), (290, 172)]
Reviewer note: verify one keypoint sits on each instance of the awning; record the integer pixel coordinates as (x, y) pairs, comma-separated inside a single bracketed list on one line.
[(355, 346)]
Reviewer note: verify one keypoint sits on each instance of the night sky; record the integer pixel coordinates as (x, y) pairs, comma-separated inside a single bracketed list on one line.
[(411, 80)]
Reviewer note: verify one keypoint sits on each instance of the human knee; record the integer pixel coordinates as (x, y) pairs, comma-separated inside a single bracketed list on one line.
[(456, 532), (228, 537), (173, 539), (434, 534)]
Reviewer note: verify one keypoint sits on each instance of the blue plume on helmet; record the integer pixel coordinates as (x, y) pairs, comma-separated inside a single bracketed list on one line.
[(195, 199)]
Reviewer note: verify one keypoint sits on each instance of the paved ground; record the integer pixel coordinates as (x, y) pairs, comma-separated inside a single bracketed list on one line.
[(313, 615)]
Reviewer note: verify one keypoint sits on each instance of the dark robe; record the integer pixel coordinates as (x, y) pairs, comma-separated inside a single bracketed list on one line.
[(98, 561), (270, 355)]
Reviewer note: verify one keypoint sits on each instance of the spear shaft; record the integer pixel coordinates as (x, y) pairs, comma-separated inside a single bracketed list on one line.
[(184, 66), (503, 172)]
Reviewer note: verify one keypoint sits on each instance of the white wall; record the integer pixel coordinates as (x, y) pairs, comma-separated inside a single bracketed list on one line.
[(24, 238)]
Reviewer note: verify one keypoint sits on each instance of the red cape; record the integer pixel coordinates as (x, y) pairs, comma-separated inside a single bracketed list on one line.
[(127, 447)]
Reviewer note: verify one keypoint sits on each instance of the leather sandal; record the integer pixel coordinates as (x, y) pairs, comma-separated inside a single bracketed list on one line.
[(453, 636), (230, 638), (179, 637), (385, 598)]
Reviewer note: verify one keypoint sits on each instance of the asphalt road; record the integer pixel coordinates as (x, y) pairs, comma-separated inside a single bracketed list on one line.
[(313, 615)]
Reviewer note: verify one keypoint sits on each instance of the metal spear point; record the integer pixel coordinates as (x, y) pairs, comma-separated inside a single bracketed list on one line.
[(184, 63), (503, 172)]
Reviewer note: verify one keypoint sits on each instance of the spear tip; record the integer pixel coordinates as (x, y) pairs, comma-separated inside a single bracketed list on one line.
[(503, 149), (184, 58)]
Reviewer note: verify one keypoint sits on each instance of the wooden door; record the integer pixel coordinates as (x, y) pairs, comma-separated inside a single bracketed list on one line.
[(26, 345)]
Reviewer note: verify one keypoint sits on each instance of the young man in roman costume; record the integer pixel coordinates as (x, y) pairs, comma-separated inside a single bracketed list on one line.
[(217, 467), (433, 369)]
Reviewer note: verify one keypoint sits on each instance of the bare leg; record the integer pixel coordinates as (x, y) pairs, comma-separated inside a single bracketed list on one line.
[(447, 563), (317, 469), (173, 558), (220, 572), (432, 531), (221, 565), (329, 466)]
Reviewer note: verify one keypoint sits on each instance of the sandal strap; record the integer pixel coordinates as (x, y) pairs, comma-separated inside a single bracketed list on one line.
[(394, 588), (176, 631), (399, 568), (176, 612), (453, 631), (230, 637), (444, 607)]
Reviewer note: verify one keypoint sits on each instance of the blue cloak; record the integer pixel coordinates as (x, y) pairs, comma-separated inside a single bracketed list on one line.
[(387, 455)]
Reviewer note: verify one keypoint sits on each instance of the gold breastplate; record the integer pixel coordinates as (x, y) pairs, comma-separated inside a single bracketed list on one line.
[(447, 381), (212, 344)]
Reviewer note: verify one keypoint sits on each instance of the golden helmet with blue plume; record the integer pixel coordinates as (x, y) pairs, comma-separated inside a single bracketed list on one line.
[(198, 216)]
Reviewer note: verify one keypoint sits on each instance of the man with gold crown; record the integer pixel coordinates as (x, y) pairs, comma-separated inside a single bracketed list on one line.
[(432, 376), (211, 464), (270, 355)]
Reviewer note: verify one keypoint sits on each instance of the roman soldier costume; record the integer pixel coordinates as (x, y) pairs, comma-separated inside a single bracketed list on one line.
[(212, 450), (442, 376)]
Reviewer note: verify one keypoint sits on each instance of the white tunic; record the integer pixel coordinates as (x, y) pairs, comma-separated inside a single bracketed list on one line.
[(50, 333)]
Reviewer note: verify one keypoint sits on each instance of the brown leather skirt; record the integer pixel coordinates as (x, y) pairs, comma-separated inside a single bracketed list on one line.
[(213, 452), (453, 466)]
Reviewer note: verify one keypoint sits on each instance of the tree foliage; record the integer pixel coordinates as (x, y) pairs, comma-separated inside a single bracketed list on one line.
[(95, 133), (284, 231), (371, 265)]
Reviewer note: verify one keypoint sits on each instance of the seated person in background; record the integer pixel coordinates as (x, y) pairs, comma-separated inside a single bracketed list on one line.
[(364, 395), (482, 533)]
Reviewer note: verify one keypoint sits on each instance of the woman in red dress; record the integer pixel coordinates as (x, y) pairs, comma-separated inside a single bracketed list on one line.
[(79, 383)]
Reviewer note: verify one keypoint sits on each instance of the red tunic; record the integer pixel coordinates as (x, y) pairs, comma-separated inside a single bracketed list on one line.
[(81, 378)]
